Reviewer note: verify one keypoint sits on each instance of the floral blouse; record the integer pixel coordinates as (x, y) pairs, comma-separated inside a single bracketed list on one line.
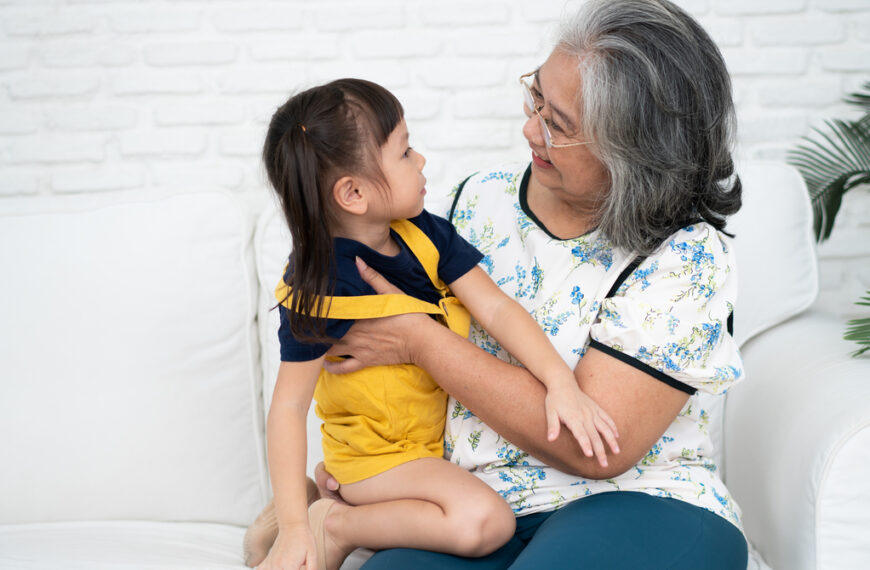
[(667, 318)]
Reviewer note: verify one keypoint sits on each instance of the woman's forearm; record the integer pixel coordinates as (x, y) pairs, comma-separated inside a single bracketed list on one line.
[(508, 398)]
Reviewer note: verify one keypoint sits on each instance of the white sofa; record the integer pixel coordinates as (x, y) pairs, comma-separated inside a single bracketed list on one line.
[(137, 356)]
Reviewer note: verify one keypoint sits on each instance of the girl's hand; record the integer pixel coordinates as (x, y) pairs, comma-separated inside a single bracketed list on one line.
[(583, 417), (382, 341), (293, 549)]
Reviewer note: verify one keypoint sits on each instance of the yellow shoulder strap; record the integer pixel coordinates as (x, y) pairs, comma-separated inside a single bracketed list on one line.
[(373, 306), (423, 249), (363, 306)]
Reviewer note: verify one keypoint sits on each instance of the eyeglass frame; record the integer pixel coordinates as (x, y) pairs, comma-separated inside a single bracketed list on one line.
[(529, 101)]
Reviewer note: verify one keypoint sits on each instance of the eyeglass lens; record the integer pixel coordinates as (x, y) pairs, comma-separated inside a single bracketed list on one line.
[(530, 103)]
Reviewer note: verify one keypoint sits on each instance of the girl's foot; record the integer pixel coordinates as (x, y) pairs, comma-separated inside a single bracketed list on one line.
[(329, 554), (262, 533), (260, 536)]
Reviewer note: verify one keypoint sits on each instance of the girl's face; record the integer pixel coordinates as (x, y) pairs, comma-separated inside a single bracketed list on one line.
[(402, 167), (572, 173)]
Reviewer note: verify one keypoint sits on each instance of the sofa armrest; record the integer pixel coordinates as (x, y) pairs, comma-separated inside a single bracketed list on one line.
[(797, 452)]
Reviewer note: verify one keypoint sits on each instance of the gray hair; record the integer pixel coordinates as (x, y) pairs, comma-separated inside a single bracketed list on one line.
[(655, 98)]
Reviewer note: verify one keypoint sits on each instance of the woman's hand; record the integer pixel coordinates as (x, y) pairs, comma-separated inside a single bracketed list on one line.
[(382, 341), (294, 548)]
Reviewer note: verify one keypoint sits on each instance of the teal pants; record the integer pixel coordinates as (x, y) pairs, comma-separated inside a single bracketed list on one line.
[(619, 530)]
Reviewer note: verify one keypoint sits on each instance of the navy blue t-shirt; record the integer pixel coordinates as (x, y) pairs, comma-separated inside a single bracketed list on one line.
[(457, 257)]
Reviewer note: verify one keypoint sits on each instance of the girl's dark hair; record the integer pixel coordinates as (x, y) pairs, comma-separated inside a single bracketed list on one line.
[(315, 138)]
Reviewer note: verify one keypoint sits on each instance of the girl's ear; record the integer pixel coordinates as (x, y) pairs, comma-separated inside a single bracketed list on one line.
[(348, 194)]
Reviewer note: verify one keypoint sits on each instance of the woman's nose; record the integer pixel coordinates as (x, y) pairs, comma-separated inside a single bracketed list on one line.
[(532, 130)]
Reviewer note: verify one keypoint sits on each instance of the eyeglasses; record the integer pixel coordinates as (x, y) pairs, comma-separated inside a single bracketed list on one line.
[(529, 100)]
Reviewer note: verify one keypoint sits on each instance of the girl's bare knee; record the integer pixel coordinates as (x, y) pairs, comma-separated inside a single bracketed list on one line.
[(485, 527)]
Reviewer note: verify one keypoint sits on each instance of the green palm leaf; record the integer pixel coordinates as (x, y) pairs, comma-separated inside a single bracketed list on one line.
[(832, 164), (859, 329), (834, 161), (862, 101)]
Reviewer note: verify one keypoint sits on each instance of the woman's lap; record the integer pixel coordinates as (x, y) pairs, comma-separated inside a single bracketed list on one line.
[(610, 530)]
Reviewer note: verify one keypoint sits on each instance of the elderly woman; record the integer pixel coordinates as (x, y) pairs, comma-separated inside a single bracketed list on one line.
[(613, 239)]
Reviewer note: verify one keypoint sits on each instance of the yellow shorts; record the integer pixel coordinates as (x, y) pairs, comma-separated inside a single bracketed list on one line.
[(378, 418)]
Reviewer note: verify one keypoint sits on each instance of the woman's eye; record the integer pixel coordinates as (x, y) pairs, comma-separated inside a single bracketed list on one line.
[(537, 97)]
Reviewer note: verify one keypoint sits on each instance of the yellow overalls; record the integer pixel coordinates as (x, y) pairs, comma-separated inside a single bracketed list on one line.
[(383, 416)]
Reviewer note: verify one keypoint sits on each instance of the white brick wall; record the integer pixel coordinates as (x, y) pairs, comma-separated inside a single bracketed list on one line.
[(108, 95)]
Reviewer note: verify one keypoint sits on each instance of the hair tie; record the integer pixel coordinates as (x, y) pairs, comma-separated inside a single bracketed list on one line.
[(301, 126)]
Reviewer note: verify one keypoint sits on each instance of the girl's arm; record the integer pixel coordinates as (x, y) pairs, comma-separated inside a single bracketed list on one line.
[(518, 333), (508, 398), (286, 441)]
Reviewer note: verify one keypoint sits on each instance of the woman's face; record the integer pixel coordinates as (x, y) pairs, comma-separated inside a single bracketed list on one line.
[(572, 173)]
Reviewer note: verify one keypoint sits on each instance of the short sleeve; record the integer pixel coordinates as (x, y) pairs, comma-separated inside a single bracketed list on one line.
[(295, 350), (669, 318), (457, 256)]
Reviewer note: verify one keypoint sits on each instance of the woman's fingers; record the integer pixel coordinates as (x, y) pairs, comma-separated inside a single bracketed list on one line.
[(345, 366), (377, 281)]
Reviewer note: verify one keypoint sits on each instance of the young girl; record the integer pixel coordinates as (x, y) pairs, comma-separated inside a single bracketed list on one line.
[(352, 192)]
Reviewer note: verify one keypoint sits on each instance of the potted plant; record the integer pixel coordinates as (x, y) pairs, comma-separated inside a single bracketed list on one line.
[(832, 162)]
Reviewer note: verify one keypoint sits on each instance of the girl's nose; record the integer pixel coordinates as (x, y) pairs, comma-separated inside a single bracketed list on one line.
[(421, 160)]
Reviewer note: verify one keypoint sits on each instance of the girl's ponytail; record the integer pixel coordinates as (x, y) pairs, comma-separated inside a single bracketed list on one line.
[(315, 138)]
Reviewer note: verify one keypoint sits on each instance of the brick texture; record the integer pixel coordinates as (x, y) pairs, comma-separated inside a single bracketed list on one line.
[(104, 96)]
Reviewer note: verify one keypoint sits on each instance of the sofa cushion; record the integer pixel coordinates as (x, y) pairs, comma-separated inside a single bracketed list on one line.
[(121, 544), (126, 545), (776, 253), (130, 368)]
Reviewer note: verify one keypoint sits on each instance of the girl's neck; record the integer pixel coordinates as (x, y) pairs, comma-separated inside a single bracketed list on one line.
[(375, 235)]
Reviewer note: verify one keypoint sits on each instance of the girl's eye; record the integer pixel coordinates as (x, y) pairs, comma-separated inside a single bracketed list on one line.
[(407, 152)]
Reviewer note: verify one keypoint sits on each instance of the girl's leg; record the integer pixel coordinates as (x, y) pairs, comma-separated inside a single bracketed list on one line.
[(429, 504), (402, 558), (634, 530)]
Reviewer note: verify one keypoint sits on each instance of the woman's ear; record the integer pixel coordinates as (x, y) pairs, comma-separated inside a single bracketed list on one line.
[(349, 196)]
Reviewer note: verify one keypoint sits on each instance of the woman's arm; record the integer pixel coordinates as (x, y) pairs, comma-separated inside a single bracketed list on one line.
[(509, 398), (518, 333)]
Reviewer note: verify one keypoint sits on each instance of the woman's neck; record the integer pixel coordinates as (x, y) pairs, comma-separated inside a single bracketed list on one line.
[(565, 217)]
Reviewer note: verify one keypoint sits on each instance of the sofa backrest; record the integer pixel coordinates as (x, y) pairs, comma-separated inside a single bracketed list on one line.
[(129, 356), (776, 252)]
